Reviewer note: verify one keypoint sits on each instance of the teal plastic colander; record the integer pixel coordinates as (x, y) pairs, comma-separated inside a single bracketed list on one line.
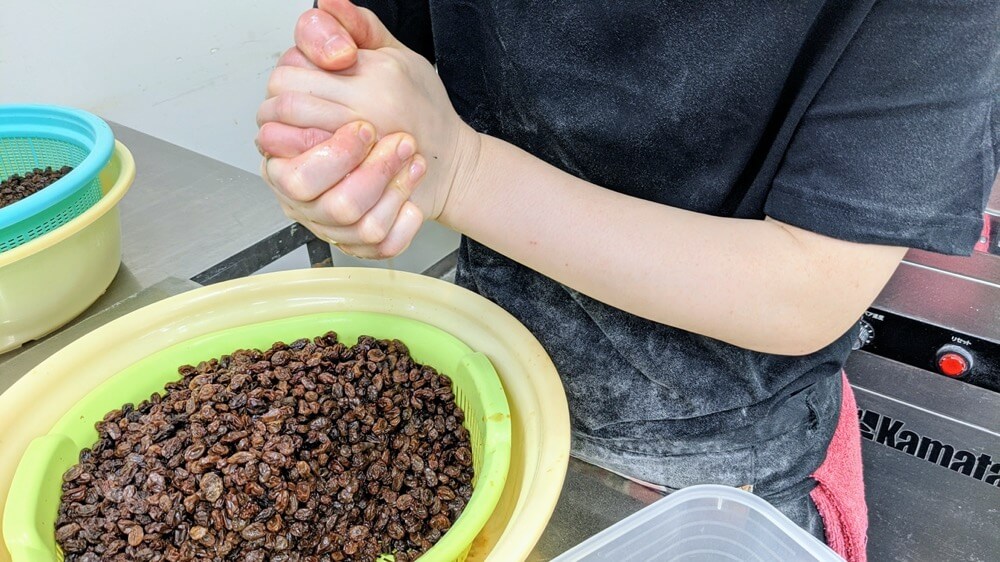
[(39, 136)]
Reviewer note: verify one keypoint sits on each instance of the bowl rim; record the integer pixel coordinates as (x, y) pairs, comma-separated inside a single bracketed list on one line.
[(122, 158), (58, 123), (532, 383)]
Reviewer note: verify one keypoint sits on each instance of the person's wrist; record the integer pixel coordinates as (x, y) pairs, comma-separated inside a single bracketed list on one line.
[(464, 177)]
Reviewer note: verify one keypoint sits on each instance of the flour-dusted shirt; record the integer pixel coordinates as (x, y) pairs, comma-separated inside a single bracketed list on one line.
[(873, 122)]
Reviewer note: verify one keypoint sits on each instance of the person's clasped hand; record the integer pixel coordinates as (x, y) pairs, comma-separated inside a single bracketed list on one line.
[(352, 123)]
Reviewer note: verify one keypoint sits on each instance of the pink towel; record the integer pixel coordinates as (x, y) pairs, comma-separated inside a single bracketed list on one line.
[(840, 492)]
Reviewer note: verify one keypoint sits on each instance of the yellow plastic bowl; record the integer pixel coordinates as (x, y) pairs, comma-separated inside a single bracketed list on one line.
[(50, 280), (539, 414)]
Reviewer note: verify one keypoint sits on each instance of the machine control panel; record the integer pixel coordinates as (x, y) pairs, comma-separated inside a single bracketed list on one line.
[(934, 348)]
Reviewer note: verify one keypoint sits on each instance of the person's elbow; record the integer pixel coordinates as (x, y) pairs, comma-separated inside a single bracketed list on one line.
[(820, 295)]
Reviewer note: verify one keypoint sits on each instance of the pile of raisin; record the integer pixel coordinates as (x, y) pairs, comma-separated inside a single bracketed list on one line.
[(309, 452), (17, 187)]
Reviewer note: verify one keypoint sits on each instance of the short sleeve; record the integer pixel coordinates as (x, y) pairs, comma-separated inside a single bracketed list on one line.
[(899, 145)]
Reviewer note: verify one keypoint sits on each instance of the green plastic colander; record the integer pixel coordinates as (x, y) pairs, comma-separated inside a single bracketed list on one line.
[(32, 506), (39, 136)]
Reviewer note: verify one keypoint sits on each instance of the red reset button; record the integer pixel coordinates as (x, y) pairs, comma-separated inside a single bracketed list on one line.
[(953, 361)]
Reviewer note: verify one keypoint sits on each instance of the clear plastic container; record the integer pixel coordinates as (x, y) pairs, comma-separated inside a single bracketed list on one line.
[(704, 523)]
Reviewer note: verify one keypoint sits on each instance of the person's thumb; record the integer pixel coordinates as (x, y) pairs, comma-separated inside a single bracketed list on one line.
[(324, 42)]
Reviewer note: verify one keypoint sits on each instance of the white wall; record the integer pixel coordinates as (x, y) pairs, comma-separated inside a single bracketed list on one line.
[(188, 71)]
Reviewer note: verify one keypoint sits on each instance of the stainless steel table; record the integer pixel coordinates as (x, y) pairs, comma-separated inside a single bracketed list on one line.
[(191, 220)]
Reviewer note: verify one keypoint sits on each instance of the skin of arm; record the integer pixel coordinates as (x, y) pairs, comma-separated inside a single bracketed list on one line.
[(758, 284)]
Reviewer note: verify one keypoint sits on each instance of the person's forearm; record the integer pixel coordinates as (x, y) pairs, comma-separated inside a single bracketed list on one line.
[(753, 283)]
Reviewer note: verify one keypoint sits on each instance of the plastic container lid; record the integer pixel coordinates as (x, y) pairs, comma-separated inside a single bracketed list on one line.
[(704, 523)]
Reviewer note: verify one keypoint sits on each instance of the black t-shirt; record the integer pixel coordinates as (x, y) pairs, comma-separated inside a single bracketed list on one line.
[(872, 122)]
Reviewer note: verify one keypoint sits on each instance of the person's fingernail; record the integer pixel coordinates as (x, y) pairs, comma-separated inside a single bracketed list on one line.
[(405, 149), (337, 46), (417, 168), (366, 133)]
